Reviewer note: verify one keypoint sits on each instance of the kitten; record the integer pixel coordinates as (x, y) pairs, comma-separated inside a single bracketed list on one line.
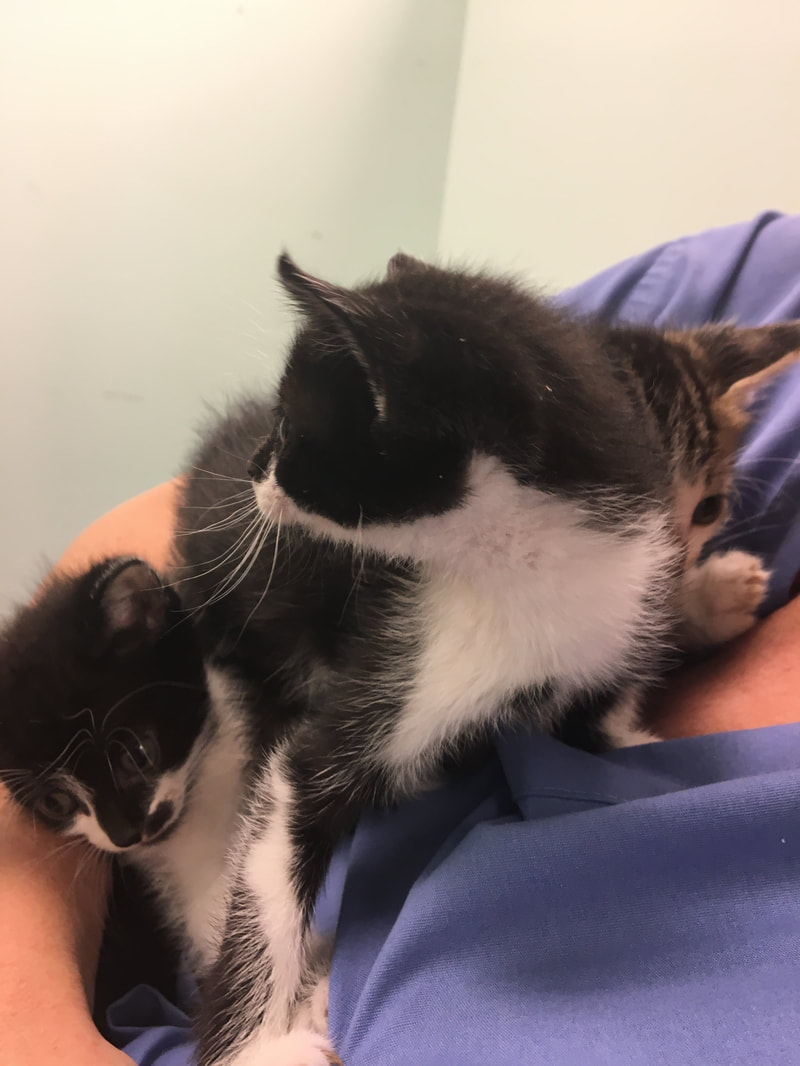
[(115, 730), (473, 511)]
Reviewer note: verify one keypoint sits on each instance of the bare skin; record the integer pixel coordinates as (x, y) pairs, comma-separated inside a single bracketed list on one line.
[(52, 903)]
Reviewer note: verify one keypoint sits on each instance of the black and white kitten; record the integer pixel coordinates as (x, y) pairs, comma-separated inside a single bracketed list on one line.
[(113, 729), (473, 510)]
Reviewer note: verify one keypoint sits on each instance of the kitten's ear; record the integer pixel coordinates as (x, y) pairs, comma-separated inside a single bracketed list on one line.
[(739, 361), (133, 605), (401, 263), (318, 299), (341, 311)]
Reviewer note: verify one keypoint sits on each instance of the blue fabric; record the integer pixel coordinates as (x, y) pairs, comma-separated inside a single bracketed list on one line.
[(564, 909)]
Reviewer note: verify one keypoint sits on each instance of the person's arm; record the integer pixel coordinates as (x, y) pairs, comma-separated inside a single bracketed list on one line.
[(52, 896)]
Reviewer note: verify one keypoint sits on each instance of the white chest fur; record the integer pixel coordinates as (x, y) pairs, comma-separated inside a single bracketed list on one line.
[(526, 594)]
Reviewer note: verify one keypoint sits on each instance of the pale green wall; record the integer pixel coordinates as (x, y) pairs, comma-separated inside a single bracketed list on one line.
[(587, 130), (156, 156)]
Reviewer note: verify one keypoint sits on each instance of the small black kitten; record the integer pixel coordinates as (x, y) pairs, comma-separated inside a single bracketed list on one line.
[(113, 729)]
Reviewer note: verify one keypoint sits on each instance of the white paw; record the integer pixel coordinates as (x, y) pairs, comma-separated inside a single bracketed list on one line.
[(301, 1047), (722, 595)]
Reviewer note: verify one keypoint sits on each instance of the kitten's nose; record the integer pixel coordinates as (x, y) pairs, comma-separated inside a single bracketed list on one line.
[(125, 836)]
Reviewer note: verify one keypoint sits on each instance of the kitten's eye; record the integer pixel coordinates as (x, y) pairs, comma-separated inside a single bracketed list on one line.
[(140, 755), (708, 510), (58, 804)]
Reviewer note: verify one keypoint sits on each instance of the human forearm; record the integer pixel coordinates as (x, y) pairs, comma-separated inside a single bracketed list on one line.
[(52, 907)]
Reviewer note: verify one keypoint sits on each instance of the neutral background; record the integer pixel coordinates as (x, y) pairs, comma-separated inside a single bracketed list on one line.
[(155, 157)]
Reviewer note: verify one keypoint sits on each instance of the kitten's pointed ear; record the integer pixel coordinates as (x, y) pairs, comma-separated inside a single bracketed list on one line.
[(739, 361), (133, 605), (341, 311), (317, 298), (401, 264), (767, 352)]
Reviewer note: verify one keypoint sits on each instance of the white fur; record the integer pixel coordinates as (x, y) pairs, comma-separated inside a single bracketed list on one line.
[(87, 826), (285, 1035), (568, 610), (622, 724), (267, 872), (188, 869)]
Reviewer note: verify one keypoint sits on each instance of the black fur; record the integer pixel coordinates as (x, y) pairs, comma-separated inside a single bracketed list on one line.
[(388, 393)]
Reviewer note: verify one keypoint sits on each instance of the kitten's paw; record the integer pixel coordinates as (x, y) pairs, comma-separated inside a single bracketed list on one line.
[(722, 595), (301, 1047)]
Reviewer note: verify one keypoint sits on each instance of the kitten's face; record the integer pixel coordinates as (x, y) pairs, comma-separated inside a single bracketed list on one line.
[(431, 407), (102, 708)]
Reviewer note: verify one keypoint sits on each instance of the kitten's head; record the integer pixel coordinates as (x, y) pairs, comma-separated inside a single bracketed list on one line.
[(427, 410), (702, 384), (102, 703)]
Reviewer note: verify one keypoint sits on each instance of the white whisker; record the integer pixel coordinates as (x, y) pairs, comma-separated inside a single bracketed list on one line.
[(215, 474), (267, 586), (226, 555)]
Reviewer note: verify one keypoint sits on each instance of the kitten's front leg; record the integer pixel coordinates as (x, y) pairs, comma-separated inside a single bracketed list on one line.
[(721, 597), (254, 1012)]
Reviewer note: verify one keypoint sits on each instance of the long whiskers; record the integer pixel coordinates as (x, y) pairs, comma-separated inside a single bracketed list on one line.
[(233, 519), (243, 567), (216, 475), (228, 554), (269, 582)]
